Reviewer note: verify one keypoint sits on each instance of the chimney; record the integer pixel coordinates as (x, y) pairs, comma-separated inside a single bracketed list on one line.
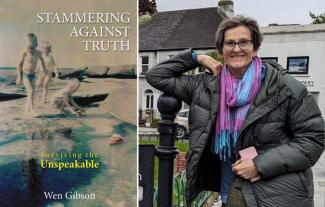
[(226, 7)]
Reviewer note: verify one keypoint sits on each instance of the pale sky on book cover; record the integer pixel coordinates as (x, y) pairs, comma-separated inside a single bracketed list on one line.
[(17, 18)]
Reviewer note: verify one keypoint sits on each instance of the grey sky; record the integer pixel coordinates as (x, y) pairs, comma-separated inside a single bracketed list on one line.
[(265, 12)]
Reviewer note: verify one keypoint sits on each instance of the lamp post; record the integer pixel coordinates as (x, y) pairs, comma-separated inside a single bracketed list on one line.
[(168, 107)]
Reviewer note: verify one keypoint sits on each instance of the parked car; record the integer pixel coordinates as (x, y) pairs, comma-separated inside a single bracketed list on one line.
[(182, 121)]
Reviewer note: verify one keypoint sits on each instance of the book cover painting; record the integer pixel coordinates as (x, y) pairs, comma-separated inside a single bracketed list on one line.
[(67, 103)]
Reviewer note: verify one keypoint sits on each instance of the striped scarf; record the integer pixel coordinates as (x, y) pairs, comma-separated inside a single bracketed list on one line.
[(235, 100)]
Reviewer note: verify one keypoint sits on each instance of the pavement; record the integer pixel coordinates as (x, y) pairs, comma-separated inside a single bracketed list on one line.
[(146, 133), (318, 171), (147, 129)]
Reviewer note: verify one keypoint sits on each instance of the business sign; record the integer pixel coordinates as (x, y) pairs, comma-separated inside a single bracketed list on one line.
[(307, 82)]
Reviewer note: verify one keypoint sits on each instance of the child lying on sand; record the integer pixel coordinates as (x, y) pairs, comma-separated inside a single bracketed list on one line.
[(62, 98)]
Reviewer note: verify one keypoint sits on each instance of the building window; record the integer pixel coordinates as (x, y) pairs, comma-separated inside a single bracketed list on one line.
[(298, 64), (201, 69), (144, 64), (149, 98), (191, 72)]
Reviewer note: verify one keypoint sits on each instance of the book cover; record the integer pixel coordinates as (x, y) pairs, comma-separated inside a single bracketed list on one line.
[(68, 103)]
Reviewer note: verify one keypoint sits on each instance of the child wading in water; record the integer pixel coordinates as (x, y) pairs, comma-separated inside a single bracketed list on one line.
[(62, 99), (44, 79), (26, 71)]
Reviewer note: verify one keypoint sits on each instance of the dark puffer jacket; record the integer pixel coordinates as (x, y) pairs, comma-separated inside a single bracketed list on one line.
[(284, 124)]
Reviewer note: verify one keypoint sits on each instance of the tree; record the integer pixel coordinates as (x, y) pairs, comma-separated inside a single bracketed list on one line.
[(317, 19), (215, 55), (147, 6)]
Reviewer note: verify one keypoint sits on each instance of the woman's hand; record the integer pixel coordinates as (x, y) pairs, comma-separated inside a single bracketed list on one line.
[(246, 169), (211, 64)]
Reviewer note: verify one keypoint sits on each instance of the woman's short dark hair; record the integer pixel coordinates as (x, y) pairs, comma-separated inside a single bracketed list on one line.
[(237, 21)]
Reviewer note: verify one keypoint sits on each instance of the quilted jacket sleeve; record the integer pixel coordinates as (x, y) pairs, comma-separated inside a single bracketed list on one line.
[(306, 128), (168, 77)]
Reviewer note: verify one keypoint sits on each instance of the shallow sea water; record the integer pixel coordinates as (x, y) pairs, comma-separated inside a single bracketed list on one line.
[(23, 181)]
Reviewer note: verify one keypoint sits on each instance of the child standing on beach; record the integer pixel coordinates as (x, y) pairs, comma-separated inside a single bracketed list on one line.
[(62, 98), (26, 71), (44, 79)]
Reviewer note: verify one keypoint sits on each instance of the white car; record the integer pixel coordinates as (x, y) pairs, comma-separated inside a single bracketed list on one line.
[(182, 121)]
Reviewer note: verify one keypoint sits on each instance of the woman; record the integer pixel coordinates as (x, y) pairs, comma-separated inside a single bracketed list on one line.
[(245, 103)]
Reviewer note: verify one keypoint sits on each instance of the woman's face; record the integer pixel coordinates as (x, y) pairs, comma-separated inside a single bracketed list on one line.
[(238, 56)]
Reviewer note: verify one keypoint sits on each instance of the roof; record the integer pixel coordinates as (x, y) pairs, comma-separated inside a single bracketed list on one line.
[(287, 29), (173, 30)]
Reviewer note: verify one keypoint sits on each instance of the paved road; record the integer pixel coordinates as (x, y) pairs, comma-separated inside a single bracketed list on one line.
[(152, 134)]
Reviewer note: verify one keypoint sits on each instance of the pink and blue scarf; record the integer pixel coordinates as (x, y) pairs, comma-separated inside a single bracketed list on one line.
[(236, 97)]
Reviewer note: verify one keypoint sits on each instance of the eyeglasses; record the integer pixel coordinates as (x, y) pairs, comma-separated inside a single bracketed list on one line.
[(242, 44)]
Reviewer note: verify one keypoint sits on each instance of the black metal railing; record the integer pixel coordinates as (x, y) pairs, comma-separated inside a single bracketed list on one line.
[(168, 107), (166, 152)]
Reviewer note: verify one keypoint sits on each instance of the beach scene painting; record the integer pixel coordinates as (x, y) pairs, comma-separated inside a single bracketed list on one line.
[(68, 113)]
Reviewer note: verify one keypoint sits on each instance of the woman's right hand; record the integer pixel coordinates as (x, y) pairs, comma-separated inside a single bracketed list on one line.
[(210, 63), (246, 169)]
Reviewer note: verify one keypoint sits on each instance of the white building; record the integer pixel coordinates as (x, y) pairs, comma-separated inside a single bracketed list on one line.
[(292, 45)]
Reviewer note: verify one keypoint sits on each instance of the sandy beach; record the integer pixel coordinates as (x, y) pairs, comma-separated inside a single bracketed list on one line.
[(122, 99), (121, 103)]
